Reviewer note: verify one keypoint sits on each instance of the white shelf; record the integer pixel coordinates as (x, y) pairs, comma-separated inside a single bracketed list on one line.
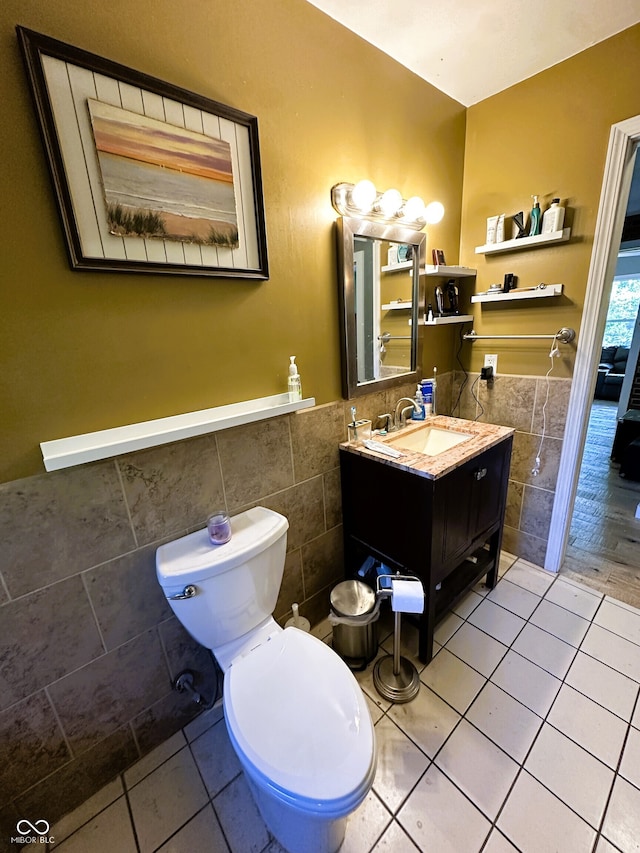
[(397, 306), (453, 318), (448, 272), (525, 242), (514, 295), (403, 265), (78, 449)]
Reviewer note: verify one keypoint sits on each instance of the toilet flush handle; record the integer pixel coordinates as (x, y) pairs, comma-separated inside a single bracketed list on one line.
[(188, 592)]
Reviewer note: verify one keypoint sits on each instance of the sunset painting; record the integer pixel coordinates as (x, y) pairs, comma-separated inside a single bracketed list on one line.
[(164, 181)]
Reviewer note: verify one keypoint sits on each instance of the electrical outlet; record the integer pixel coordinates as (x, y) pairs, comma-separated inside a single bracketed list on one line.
[(492, 361)]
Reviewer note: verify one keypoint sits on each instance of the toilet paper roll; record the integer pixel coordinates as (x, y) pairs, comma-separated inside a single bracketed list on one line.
[(407, 596)]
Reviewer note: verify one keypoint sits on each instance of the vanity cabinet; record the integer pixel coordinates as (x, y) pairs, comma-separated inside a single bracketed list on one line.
[(446, 531)]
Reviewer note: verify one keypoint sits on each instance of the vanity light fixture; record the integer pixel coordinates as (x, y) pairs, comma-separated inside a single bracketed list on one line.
[(362, 200)]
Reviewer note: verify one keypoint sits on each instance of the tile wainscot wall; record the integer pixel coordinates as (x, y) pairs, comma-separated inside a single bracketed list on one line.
[(89, 647)]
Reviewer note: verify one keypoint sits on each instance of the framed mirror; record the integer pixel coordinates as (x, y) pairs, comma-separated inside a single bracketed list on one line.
[(381, 304)]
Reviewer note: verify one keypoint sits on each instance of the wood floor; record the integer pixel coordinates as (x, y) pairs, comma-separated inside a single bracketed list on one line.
[(604, 540)]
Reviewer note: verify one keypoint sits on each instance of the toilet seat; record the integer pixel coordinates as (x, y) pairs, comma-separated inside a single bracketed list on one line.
[(296, 713)]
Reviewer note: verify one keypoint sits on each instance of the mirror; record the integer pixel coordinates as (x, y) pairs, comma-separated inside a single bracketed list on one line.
[(381, 304)]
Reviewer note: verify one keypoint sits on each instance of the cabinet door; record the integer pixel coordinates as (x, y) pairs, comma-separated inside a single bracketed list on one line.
[(471, 500)]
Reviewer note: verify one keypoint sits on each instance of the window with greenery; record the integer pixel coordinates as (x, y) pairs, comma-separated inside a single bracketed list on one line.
[(623, 310)]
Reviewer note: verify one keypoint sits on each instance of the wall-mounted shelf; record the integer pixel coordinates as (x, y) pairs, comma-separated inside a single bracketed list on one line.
[(78, 449), (403, 265), (515, 295), (525, 242), (453, 318), (402, 305), (448, 272)]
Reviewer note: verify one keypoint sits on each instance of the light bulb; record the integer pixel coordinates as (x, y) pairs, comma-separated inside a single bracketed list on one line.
[(363, 195), (434, 212), (390, 203), (413, 208)]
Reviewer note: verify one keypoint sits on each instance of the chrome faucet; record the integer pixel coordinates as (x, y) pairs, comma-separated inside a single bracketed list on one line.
[(399, 424)]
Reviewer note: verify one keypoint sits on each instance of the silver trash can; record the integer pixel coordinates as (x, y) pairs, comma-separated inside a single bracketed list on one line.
[(354, 617)]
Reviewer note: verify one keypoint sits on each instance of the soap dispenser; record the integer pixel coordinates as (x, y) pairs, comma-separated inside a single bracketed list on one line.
[(536, 223), (294, 383)]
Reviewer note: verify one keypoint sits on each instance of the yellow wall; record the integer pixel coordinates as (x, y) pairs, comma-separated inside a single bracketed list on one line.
[(549, 136), (84, 351)]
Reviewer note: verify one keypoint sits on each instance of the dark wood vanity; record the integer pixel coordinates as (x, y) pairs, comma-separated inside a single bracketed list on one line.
[(439, 518)]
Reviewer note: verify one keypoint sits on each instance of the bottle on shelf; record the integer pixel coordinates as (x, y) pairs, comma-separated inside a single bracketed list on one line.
[(553, 218), (294, 383), (536, 223)]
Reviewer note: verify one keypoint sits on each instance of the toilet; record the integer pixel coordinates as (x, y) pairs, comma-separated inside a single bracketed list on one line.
[(295, 714)]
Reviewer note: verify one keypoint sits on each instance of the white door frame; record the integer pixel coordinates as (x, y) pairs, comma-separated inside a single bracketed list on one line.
[(625, 135)]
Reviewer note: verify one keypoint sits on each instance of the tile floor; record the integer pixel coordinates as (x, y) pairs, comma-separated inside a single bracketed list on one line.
[(525, 736)]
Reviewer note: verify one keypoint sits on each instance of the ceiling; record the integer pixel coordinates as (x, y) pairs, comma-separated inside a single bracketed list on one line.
[(472, 49)]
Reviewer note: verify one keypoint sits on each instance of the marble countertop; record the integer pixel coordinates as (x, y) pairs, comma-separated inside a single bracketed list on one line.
[(483, 437)]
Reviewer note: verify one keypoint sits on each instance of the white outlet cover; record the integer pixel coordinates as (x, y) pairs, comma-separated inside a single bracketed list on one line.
[(491, 361)]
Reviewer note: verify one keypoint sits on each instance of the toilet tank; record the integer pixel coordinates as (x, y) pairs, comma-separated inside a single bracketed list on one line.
[(236, 585)]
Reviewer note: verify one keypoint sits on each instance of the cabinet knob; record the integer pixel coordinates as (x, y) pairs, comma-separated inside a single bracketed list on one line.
[(480, 473)]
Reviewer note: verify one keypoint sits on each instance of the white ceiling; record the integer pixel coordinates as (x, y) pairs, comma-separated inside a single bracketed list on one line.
[(471, 49)]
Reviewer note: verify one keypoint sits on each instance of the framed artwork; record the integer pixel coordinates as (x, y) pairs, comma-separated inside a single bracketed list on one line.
[(148, 177)]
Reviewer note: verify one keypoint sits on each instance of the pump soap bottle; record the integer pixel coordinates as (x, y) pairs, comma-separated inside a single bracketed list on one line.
[(294, 383), (536, 223)]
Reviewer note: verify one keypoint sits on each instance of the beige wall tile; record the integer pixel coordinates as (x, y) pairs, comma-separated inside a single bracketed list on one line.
[(54, 525), (537, 505), (315, 435), (323, 561), (255, 461), (303, 506), (171, 488), (508, 401), (524, 545), (525, 449), (555, 412), (332, 498), (514, 504)]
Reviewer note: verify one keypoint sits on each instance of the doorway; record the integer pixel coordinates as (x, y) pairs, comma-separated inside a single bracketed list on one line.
[(619, 166)]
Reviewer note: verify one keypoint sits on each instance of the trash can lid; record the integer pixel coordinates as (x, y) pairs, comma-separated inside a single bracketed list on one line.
[(352, 598)]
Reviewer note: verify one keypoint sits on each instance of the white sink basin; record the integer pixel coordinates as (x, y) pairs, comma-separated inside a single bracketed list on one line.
[(430, 440)]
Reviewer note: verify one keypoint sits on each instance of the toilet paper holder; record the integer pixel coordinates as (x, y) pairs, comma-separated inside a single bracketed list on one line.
[(394, 677)]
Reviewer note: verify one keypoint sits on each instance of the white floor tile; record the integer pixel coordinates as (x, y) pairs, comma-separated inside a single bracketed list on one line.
[(439, 818), (574, 598), (477, 649), (88, 810), (597, 730), (622, 821), (468, 604), (166, 799), (613, 650), (204, 721), (365, 825), (501, 624), (604, 846), (426, 719), (505, 720), (550, 653), (453, 680), (447, 628), (604, 685), (395, 839), (630, 764), (109, 830), (635, 720), (154, 759), (240, 819), (530, 577), (505, 562), (365, 680), (216, 758), (560, 622), (622, 604), (515, 598), (571, 773), (497, 843), (400, 764), (620, 620), (537, 822), (191, 837), (478, 767), (527, 683)]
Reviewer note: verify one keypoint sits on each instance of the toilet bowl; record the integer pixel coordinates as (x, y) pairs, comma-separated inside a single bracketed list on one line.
[(296, 717)]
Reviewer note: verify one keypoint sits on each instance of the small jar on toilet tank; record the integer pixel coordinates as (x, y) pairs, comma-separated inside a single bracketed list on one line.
[(219, 527)]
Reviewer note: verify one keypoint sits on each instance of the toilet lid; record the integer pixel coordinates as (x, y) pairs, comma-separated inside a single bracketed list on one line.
[(297, 713)]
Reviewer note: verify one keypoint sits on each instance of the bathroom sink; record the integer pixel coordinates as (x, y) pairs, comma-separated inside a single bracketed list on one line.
[(430, 440)]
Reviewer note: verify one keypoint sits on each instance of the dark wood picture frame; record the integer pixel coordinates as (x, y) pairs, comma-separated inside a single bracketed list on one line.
[(61, 78)]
